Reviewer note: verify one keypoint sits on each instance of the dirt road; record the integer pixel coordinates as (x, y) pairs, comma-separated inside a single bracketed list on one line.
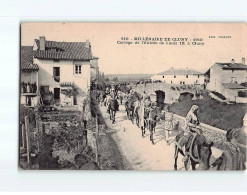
[(138, 151)]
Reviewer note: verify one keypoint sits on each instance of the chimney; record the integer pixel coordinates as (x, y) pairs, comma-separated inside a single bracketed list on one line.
[(42, 43), (172, 69), (243, 60), (233, 61), (87, 43)]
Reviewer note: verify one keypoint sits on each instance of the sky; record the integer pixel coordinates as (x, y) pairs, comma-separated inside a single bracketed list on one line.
[(115, 58)]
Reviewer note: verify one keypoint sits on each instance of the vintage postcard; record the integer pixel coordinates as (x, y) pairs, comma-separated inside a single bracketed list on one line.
[(133, 96)]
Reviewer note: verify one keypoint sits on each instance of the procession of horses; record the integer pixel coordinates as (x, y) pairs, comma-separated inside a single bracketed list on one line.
[(190, 142)]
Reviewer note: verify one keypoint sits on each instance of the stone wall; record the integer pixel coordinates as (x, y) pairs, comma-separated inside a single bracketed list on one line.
[(218, 136), (172, 91)]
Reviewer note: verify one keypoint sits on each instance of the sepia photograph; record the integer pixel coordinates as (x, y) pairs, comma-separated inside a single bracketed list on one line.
[(133, 96)]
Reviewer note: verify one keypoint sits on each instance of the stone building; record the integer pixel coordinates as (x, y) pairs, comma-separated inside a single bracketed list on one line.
[(63, 77), (225, 78), (180, 76)]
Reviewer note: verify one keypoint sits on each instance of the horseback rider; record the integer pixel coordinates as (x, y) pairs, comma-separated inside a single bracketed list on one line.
[(145, 104), (192, 129), (111, 97)]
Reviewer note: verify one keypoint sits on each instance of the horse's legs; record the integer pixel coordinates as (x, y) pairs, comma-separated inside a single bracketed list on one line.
[(137, 121), (193, 165), (110, 114), (151, 134), (142, 131), (144, 128), (152, 139), (186, 164), (114, 116), (175, 157), (132, 117)]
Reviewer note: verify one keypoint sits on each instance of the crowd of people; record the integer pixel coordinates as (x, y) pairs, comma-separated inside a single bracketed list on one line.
[(143, 108)]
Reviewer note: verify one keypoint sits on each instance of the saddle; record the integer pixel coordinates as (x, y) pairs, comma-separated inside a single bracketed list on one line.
[(189, 138)]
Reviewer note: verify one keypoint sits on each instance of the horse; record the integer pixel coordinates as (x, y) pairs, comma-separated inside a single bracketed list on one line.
[(197, 149), (143, 114), (113, 108), (150, 117), (130, 106), (137, 112)]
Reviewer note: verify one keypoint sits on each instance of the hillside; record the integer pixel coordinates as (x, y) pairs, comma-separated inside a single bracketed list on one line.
[(126, 77)]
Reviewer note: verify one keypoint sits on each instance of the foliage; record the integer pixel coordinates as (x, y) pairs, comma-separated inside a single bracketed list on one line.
[(218, 114), (244, 84), (27, 111), (242, 93), (70, 92), (96, 110), (67, 136), (115, 79)]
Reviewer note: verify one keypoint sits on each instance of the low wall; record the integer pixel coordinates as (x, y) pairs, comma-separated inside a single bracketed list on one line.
[(241, 100), (218, 136)]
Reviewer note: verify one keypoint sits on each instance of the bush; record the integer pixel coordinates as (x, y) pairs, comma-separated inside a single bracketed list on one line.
[(27, 111), (242, 93)]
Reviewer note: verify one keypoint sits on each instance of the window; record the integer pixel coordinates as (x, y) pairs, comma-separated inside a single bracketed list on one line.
[(56, 74), (163, 76), (56, 93), (174, 76), (77, 69), (198, 76), (56, 71), (187, 76)]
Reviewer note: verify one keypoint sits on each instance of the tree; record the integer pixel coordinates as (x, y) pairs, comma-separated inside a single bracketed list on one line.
[(115, 79)]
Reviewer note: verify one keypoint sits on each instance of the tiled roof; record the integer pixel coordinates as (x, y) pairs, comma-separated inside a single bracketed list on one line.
[(27, 54), (233, 86), (180, 72), (238, 66), (64, 51)]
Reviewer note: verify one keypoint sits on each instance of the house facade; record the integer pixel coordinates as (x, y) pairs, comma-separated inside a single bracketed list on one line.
[(63, 76), (180, 76), (28, 77), (225, 78)]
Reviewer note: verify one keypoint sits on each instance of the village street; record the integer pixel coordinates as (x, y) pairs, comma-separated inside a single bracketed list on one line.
[(139, 152)]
